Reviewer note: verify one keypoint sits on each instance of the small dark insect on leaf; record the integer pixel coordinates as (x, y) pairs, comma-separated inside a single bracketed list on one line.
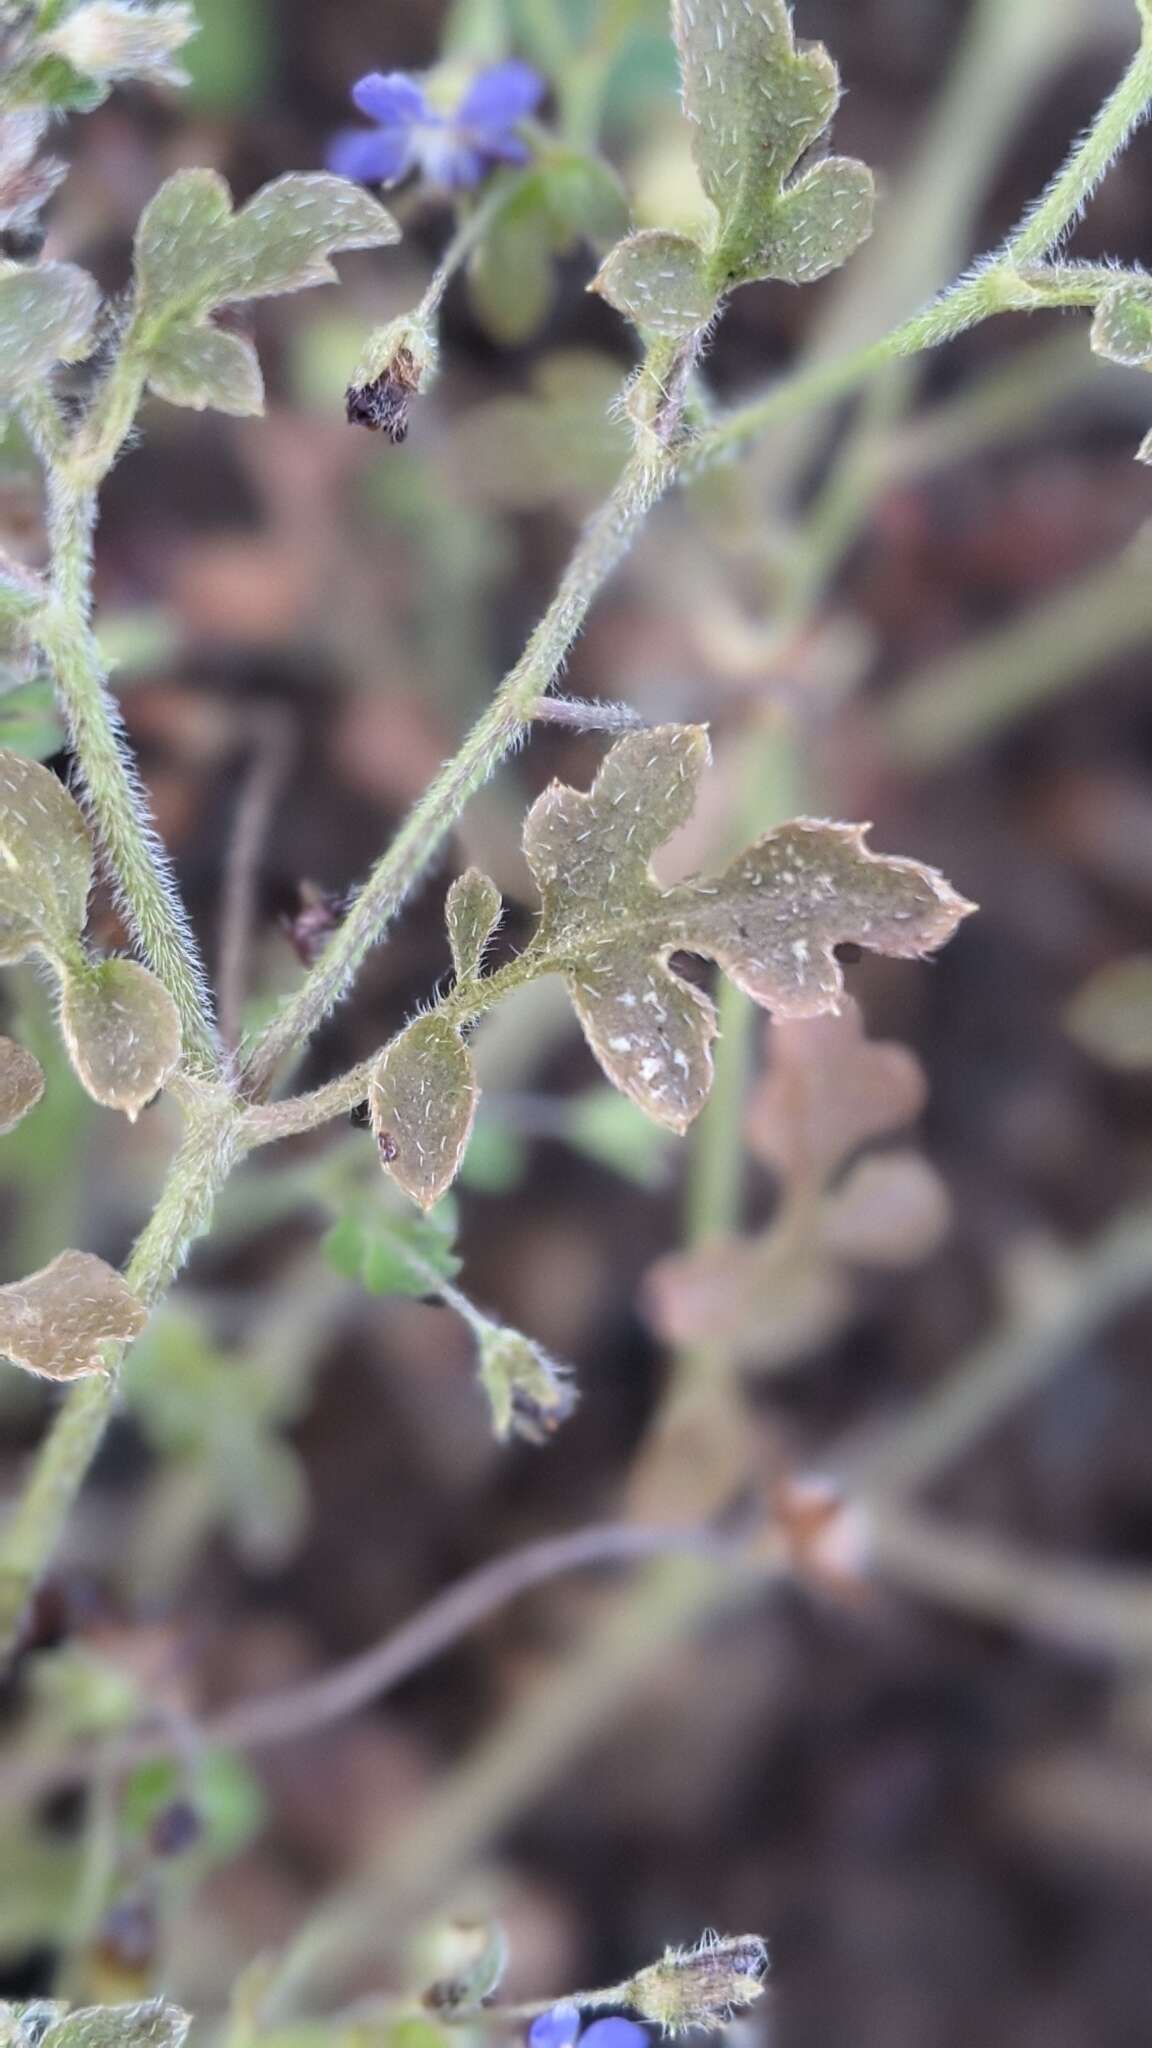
[(23, 244), (382, 405), (389, 1149), (361, 1116)]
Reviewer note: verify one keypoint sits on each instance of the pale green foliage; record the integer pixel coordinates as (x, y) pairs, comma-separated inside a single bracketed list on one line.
[(386, 1248), (757, 102), (56, 1321), (660, 281), (423, 1101), (772, 920), (194, 254), (122, 1032), (463, 1964), (529, 1394), (561, 200), (222, 1416), (21, 1083), (119, 1023), (46, 317), (472, 913)]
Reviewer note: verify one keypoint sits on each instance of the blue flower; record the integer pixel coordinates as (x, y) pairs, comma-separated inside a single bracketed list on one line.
[(453, 148), (559, 2027)]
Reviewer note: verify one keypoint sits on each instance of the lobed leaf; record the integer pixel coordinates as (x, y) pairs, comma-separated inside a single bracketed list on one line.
[(46, 316), (472, 912), (55, 1322), (21, 1083), (45, 861), (772, 919), (194, 254), (660, 281), (122, 1030), (423, 1101), (757, 102)]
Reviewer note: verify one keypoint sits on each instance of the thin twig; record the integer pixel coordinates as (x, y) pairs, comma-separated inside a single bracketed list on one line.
[(271, 735)]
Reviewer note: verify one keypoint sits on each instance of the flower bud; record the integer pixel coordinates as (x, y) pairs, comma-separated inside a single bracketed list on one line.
[(701, 1986), (530, 1395), (108, 40), (398, 363)]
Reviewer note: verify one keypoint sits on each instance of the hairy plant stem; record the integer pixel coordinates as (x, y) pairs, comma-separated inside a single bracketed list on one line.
[(134, 857), (31, 1536), (646, 476)]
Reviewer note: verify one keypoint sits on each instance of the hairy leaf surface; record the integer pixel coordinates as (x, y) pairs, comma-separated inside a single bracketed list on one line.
[(423, 1101), (55, 1322), (122, 1030), (772, 919)]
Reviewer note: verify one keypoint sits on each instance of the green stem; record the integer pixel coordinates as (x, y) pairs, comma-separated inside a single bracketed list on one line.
[(646, 476), (995, 287), (33, 1532), (135, 859)]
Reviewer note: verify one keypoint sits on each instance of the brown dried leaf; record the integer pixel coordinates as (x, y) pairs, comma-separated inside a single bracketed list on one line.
[(423, 1100), (828, 1090), (472, 912), (21, 1083), (772, 920), (55, 1322), (45, 861)]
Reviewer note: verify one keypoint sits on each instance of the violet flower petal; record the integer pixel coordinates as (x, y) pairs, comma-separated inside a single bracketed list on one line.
[(392, 98), (556, 2028), (614, 2033), (498, 97), (371, 156)]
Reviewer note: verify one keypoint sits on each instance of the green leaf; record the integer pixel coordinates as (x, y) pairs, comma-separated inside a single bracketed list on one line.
[(21, 1083), (1122, 326), (194, 254), (472, 912), (757, 102), (30, 724), (772, 920), (606, 1127), (46, 317), (391, 1250), (819, 222), (55, 1322), (45, 861), (510, 277), (155, 2025), (423, 1100), (204, 366), (122, 1030), (584, 198), (660, 281)]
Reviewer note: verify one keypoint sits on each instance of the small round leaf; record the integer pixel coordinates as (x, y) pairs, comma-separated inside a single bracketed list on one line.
[(45, 861), (122, 1031), (423, 1101)]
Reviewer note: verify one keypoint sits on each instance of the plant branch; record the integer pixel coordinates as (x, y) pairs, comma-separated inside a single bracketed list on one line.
[(645, 477), (271, 744)]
